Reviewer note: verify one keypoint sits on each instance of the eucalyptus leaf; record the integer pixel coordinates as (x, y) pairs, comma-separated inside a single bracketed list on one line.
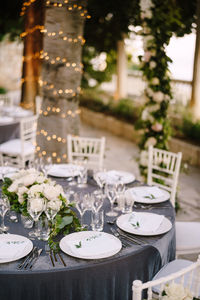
[(65, 221)]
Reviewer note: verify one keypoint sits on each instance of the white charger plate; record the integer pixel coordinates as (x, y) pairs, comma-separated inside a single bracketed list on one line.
[(10, 171), (64, 170), (165, 226), (124, 177), (82, 235), (15, 237), (165, 196)]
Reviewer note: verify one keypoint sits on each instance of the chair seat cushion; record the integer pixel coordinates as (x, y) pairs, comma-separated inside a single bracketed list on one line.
[(188, 236), (14, 147), (172, 267)]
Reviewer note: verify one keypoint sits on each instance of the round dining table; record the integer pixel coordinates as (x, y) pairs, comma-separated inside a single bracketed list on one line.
[(99, 279)]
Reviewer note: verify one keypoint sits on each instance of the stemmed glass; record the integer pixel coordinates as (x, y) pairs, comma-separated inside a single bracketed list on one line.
[(51, 210), (120, 189), (45, 165), (97, 200), (110, 190), (82, 206), (4, 207), (35, 208), (99, 179), (74, 173)]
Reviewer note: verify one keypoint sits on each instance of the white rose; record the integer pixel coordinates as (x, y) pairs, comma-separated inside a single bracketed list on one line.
[(145, 4), (147, 116), (41, 178), (54, 205), (13, 188), (155, 81), (29, 179), (153, 107), (150, 142), (175, 291), (158, 97), (144, 158), (152, 64), (157, 127), (52, 192), (37, 204), (35, 189)]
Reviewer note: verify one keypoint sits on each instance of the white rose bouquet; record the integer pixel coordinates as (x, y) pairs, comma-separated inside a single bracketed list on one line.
[(32, 185)]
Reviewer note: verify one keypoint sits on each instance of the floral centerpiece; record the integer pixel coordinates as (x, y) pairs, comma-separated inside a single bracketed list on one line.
[(176, 291), (31, 185)]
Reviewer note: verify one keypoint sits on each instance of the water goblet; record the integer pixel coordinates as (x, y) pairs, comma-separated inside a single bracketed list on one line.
[(97, 200), (35, 208), (51, 210), (128, 202), (110, 190), (120, 189), (45, 165), (81, 206), (97, 220), (4, 207)]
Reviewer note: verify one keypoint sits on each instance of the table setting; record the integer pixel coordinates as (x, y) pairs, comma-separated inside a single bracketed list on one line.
[(78, 234)]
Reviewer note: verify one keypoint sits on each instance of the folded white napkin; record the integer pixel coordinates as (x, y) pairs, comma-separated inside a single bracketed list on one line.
[(97, 244), (10, 249), (148, 191), (112, 176), (143, 222)]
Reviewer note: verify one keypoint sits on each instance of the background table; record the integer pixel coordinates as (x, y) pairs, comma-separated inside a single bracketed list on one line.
[(105, 279), (9, 132)]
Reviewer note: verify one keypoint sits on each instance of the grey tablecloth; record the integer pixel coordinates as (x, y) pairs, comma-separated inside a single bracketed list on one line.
[(9, 132), (105, 279)]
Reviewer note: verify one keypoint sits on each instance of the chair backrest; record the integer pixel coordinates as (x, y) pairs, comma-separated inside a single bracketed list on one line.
[(28, 127), (163, 170), (188, 277), (7, 101), (91, 149), (38, 104)]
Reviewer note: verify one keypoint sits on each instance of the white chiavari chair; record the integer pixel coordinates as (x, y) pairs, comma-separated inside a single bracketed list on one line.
[(187, 276), (90, 149), (163, 170), (18, 151)]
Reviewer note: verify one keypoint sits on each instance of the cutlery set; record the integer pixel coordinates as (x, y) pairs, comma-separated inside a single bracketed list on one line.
[(30, 259), (54, 256), (126, 239)]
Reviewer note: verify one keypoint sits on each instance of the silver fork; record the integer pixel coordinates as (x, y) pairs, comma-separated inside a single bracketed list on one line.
[(118, 236)]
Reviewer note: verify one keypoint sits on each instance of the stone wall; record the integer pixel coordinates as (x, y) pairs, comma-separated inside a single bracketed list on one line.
[(191, 153), (10, 64)]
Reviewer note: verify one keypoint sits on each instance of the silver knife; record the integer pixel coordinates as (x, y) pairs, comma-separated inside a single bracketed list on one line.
[(25, 261), (31, 259), (35, 258)]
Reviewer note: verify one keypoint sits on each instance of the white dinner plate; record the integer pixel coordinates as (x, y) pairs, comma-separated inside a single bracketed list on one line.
[(9, 171), (76, 237), (114, 176), (6, 120), (164, 195), (164, 227), (21, 245), (64, 170)]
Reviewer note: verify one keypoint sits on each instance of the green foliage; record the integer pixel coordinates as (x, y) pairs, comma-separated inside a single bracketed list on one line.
[(2, 90), (90, 53), (191, 130), (10, 21), (123, 109)]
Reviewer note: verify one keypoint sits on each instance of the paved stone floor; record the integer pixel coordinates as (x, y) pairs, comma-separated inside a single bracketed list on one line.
[(122, 154)]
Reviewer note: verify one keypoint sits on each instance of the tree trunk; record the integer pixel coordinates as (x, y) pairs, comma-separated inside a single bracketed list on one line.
[(121, 89), (33, 43), (61, 75), (195, 101)]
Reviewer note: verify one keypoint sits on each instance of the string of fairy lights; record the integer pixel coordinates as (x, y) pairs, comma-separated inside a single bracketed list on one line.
[(69, 38)]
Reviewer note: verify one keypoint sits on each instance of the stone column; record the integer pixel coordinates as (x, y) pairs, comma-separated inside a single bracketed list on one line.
[(121, 88)]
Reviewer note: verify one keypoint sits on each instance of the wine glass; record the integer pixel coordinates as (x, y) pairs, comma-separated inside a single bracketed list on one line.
[(100, 180), (81, 205), (97, 200), (120, 189), (73, 175), (4, 207), (51, 210), (45, 165), (110, 190), (35, 208)]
